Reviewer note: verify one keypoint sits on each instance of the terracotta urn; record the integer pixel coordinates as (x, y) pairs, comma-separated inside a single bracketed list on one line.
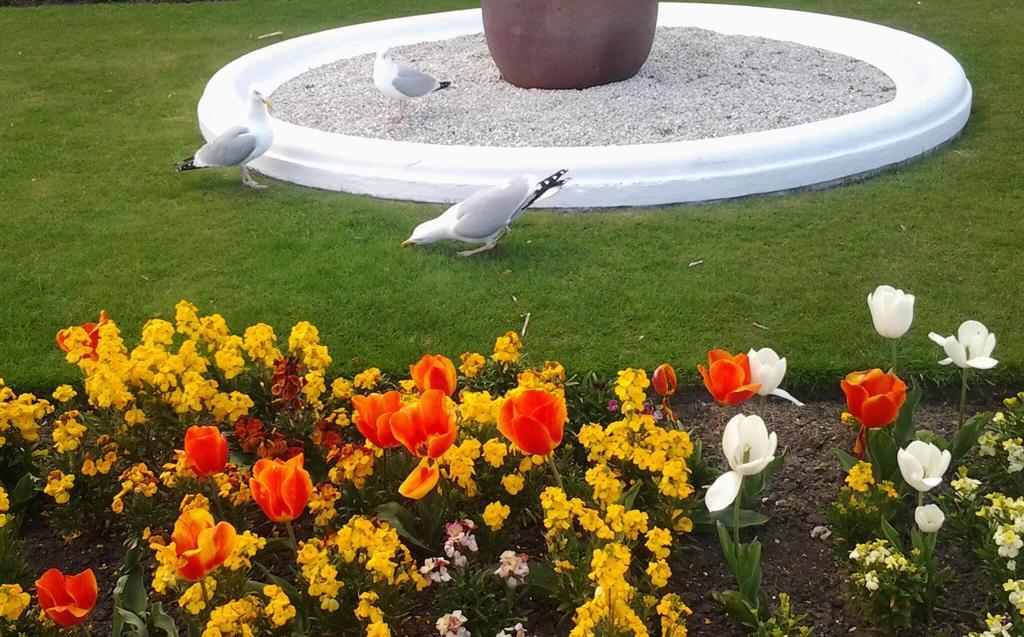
[(569, 44)]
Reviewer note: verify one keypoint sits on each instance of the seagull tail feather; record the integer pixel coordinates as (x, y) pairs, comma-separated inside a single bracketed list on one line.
[(188, 164), (443, 85), (548, 187)]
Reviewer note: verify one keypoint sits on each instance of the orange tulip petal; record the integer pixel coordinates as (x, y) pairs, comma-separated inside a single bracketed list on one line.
[(421, 481), (83, 588), (741, 394), (532, 436), (878, 411)]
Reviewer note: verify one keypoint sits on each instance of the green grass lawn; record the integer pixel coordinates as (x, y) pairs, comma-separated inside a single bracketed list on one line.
[(99, 102)]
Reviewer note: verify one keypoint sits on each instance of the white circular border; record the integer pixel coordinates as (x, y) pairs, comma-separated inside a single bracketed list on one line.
[(932, 104)]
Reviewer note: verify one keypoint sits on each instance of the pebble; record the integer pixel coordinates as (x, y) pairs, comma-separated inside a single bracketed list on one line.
[(697, 84), (821, 533)]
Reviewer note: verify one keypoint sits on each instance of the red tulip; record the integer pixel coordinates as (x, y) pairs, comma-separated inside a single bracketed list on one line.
[(427, 427), (206, 450), (91, 329), (67, 599), (201, 545), (727, 377), (874, 398), (282, 489), (373, 417), (434, 372), (533, 420), (664, 380)]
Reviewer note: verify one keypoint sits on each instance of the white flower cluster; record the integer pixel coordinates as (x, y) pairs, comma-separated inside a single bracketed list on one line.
[(965, 487), (1005, 517), (997, 627), (459, 538), (435, 569), (452, 625), (512, 568), (877, 554), (515, 631)]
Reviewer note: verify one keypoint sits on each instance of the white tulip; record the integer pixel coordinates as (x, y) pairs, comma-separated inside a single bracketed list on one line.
[(749, 449), (922, 464), (768, 369), (929, 518), (892, 311), (971, 347)]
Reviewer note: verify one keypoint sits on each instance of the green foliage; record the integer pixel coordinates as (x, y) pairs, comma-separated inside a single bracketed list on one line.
[(133, 613)]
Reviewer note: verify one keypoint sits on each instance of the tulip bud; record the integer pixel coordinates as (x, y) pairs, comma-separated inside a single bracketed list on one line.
[(892, 311), (664, 380), (929, 518)]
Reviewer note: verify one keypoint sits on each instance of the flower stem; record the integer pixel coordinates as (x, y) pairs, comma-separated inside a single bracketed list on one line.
[(291, 536), (736, 514), (892, 347), (206, 593), (764, 406), (554, 471), (963, 397), (215, 497)]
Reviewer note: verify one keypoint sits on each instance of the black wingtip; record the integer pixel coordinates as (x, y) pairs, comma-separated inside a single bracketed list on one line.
[(187, 164), (444, 85)]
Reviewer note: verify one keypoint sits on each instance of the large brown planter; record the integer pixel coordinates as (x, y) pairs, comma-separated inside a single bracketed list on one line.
[(569, 44)]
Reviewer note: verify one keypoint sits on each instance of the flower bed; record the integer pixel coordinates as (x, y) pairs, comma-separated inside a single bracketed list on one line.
[(256, 495)]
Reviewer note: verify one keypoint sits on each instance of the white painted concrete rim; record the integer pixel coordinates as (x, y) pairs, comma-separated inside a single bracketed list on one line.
[(932, 105)]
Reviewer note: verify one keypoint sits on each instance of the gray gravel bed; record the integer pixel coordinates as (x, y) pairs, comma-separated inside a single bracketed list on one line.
[(697, 84)]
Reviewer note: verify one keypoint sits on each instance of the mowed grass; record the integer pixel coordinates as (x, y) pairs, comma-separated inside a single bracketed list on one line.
[(99, 101)]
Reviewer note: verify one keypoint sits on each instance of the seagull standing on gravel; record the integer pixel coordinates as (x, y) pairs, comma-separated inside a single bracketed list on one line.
[(402, 83), (238, 145), (486, 215)]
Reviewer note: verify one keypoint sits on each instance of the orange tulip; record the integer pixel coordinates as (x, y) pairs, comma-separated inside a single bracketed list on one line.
[(874, 398), (664, 380), (373, 417), (533, 420), (67, 599), (727, 377), (421, 481), (282, 489), (427, 427), (434, 372), (206, 450), (91, 329), (201, 546)]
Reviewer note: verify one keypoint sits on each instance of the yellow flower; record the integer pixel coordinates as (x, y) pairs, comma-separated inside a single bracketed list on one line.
[(67, 432), (59, 485), (279, 609), (192, 599), (234, 618), (13, 601), (495, 515), (471, 365), (506, 348), (246, 546), (367, 379), (860, 477), (341, 389), (134, 416), (64, 393), (513, 483), (259, 343), (659, 572), (494, 451)]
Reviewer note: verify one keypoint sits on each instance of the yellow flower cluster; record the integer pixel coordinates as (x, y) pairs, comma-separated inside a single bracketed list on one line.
[(247, 545), (193, 600), (67, 432), (368, 611), (304, 342), (495, 515), (377, 548), (459, 461), (860, 477), (22, 412), (13, 601), (638, 440), (234, 619), (673, 612), (631, 389), (260, 344), (479, 407), (605, 481), (135, 479), (352, 464), (506, 348), (609, 610), (341, 389), (64, 393), (321, 503), (320, 574), (279, 609), (494, 452), (472, 363), (616, 523), (59, 485), (5, 506), (367, 379)]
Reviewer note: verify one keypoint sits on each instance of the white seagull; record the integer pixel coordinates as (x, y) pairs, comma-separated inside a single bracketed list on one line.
[(238, 145), (486, 215), (402, 83)]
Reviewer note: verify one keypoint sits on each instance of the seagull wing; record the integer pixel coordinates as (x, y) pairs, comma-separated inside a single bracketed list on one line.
[(486, 212), (230, 148), (412, 83)]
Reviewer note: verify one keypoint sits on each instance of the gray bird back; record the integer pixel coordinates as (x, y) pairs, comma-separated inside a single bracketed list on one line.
[(230, 148), (487, 211), (412, 83)]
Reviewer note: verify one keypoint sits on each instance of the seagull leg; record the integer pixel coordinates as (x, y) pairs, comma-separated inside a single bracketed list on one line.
[(248, 181), (484, 248)]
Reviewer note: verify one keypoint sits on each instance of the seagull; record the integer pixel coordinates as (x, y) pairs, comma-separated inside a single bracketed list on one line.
[(486, 215), (402, 83), (238, 145)]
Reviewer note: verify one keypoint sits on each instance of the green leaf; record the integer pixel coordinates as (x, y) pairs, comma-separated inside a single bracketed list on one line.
[(892, 535), (23, 491), (705, 521), (402, 520), (882, 452), (134, 620), (846, 461), (630, 496), (728, 548), (933, 438), (903, 427), (750, 569), (130, 591), (544, 577), (966, 437), (160, 619), (737, 607)]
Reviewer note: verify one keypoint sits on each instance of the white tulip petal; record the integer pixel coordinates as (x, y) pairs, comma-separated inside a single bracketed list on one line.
[(782, 393), (929, 518), (754, 467), (982, 362), (989, 346), (938, 339), (731, 437), (946, 361), (957, 352), (724, 491)]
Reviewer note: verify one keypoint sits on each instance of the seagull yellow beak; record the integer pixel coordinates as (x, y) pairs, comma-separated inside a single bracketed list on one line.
[(267, 102), (406, 243)]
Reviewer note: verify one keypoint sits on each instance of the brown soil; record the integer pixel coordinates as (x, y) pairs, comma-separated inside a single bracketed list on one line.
[(793, 562)]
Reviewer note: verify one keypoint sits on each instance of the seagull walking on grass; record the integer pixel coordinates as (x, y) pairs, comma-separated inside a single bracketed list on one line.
[(402, 83), (486, 215), (238, 145)]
